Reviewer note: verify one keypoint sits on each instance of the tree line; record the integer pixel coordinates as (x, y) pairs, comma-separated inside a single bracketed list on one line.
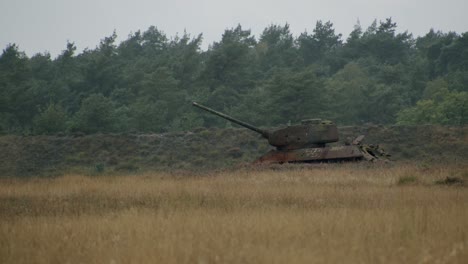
[(145, 83)]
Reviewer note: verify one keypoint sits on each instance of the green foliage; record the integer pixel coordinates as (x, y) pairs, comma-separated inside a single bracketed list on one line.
[(451, 181), (294, 96), (99, 168), (407, 180), (228, 72), (95, 115), (148, 116), (51, 120), (348, 90), (423, 113), (276, 48), (321, 47), (146, 82), (449, 109)]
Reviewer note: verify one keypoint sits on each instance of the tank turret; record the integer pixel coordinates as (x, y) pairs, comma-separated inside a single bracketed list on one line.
[(310, 133)]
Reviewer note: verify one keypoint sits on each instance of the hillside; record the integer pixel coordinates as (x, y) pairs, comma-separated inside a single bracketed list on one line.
[(203, 149)]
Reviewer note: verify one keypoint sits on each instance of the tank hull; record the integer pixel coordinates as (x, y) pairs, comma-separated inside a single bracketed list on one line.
[(321, 154)]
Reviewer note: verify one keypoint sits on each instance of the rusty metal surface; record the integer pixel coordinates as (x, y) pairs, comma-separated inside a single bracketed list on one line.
[(373, 152), (304, 136), (312, 154)]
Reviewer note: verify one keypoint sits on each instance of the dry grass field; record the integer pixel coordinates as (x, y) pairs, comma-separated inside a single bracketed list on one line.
[(334, 213)]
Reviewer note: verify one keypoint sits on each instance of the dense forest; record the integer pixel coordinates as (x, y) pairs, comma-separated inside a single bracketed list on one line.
[(146, 82)]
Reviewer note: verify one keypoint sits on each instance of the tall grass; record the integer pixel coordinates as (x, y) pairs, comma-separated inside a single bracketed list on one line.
[(351, 213)]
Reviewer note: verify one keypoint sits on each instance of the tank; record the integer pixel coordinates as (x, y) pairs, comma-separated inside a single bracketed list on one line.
[(307, 142)]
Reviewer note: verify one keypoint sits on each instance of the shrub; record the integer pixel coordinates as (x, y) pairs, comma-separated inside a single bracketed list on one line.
[(450, 181), (406, 180), (99, 168), (51, 120), (95, 115)]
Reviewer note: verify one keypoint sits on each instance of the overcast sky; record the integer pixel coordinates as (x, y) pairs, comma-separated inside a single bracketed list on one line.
[(47, 25)]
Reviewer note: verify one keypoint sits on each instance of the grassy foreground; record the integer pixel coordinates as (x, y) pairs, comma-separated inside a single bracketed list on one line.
[(351, 213)]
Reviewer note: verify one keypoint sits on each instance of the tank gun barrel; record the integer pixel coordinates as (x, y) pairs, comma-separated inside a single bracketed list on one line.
[(264, 133)]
